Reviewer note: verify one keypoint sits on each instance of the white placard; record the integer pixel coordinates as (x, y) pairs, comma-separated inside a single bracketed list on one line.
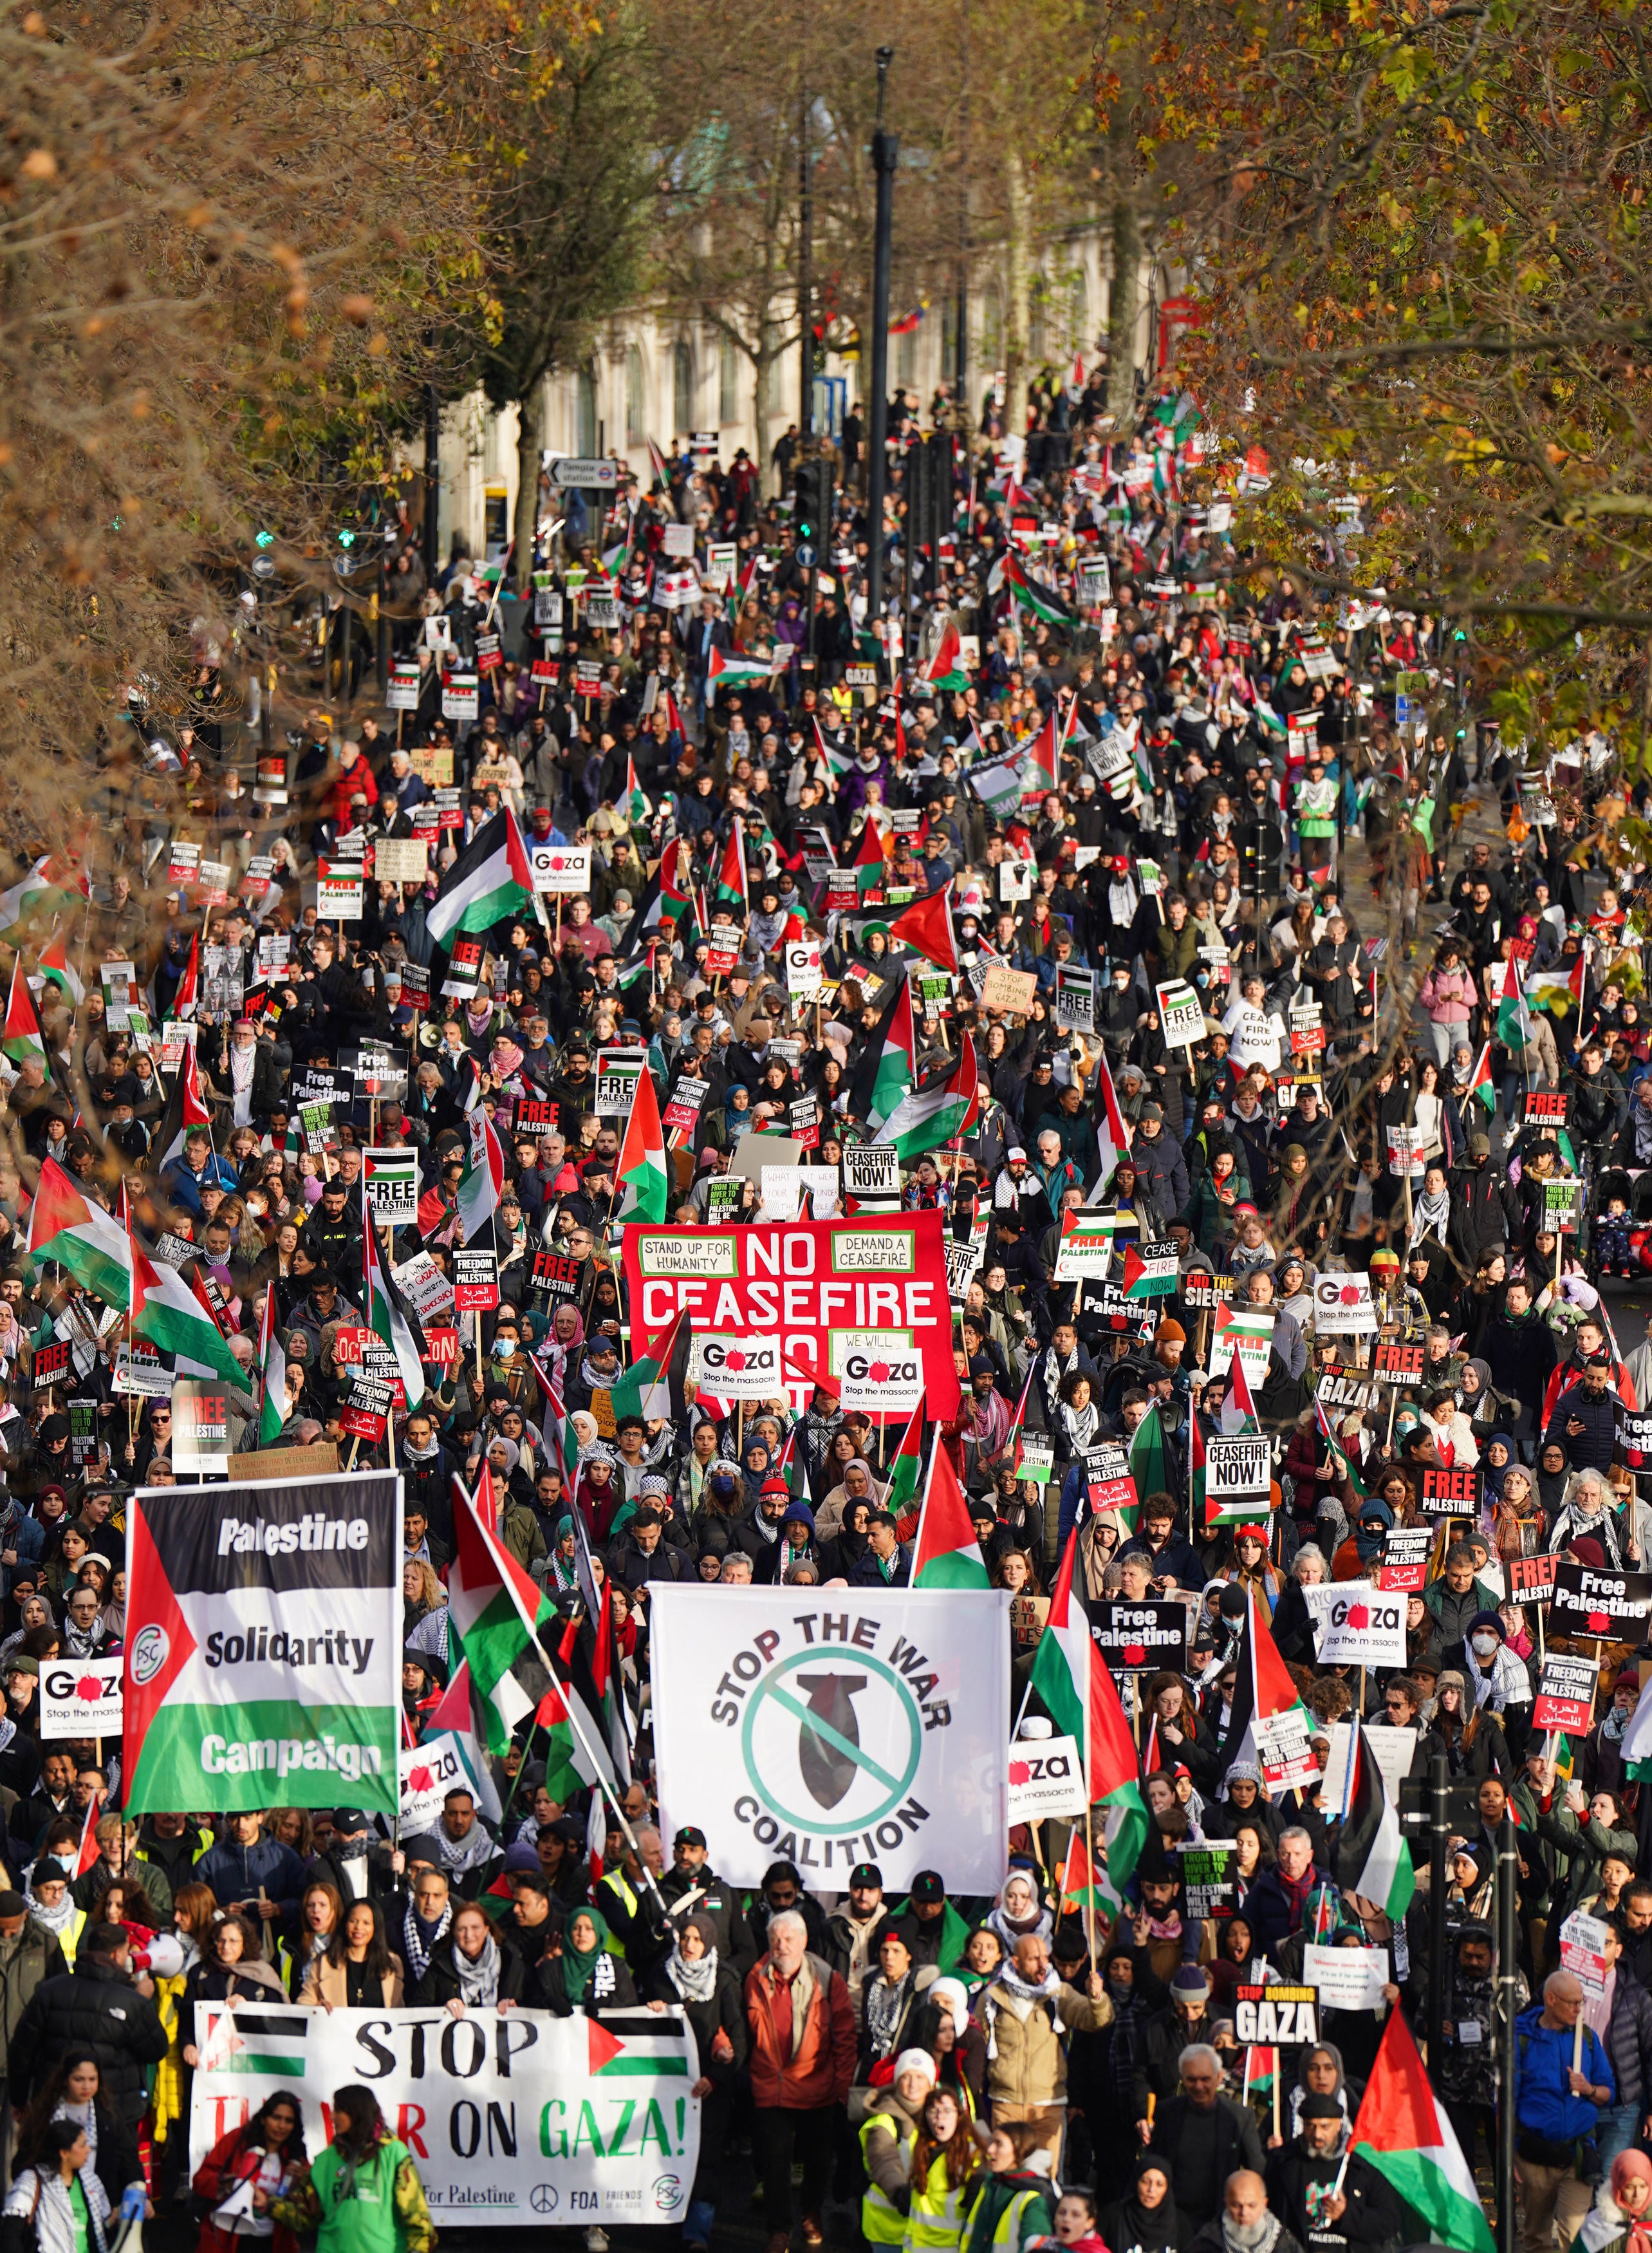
[(82, 1698), (871, 1169), (803, 968), (1392, 1749), (429, 1772), (1347, 1978), (1356, 1624), (1583, 1939), (782, 1189), (736, 1366), (560, 867), (1342, 1306), (1046, 1778), (913, 1686), (1181, 1013)]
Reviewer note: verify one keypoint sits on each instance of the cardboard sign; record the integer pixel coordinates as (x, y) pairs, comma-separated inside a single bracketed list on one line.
[(81, 1696), (1566, 1693), (475, 1280), (1181, 1013), (1406, 1553), (1242, 1465), (1046, 1778), (1012, 990), (1027, 1616), (1342, 1306), (1611, 1605), (1454, 1493), (1356, 1625), (1141, 1638), (1209, 1879), (1278, 2014), (402, 859)]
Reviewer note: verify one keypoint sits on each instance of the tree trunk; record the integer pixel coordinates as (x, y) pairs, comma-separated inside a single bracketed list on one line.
[(1019, 203), (530, 431), (760, 390), (1123, 305)]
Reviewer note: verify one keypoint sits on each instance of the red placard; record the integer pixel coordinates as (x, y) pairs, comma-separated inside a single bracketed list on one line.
[(1531, 1579), (348, 1344), (442, 1346), (360, 1423)]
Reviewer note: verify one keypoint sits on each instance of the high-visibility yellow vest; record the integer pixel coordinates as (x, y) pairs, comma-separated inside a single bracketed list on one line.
[(1010, 2222), (881, 2221), (616, 1882), (936, 2219)]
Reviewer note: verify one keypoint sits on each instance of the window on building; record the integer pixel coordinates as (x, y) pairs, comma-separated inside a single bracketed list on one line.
[(727, 381), (636, 409), (682, 388), (585, 410)]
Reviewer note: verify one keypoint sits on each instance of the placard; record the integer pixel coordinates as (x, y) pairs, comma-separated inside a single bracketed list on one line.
[(1181, 1013), (1635, 1434), (1356, 1624), (402, 691), (1346, 1978), (201, 1427), (140, 1372), (365, 1407), (617, 1073), (81, 1696), (1075, 997), (1393, 1750), (1395, 1364), (1085, 1247), (1407, 1550), (427, 1773), (1563, 1204), (1200, 1289), (1342, 1306), (1277, 2015), (1545, 1106), (871, 1169), (402, 859), (682, 1115), (735, 1366), (1454, 1493), (1531, 1579), (392, 1177), (1141, 1638), (1405, 1146), (1012, 990), (1566, 1693), (803, 968), (1583, 1945), (1247, 1331), (1046, 1779), (1347, 1388), (1611, 1605), (783, 1187), (461, 695), (475, 1280), (1285, 1750), (559, 867), (1237, 1466), (1108, 1484), (52, 1364), (1209, 1879)]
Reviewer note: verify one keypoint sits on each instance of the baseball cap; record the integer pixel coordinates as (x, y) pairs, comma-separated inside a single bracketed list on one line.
[(689, 1837), (866, 1873), (929, 1887)]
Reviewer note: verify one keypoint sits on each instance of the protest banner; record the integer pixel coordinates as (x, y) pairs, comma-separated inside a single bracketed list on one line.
[(1454, 1493), (1086, 1244), (1356, 1625), (1405, 1554), (201, 1427), (1342, 1306), (820, 1281), (1531, 1579), (736, 1368), (517, 2119), (1393, 1750), (1611, 1605), (1237, 1466), (682, 1115), (1276, 2014), (871, 1169), (1075, 998), (559, 867), (1566, 1693), (1046, 1778), (1210, 1877), (1247, 1331), (1346, 1978), (1583, 1941), (803, 969), (1012, 990), (476, 1279), (392, 1177), (1134, 1638), (1397, 1364), (80, 1698), (856, 1722), (263, 1653), (1107, 1479), (1181, 1013), (617, 1073)]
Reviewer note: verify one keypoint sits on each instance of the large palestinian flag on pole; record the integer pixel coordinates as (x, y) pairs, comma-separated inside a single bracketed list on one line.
[(263, 1646), (946, 1553), (1070, 1676), (1372, 1858), (889, 1065), (938, 1110), (86, 1242), (496, 1612), (489, 881), (1268, 1723), (167, 1314), (1402, 2131), (1032, 595), (644, 1180)]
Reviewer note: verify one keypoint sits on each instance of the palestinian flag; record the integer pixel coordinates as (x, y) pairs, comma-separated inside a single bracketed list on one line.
[(649, 1387), (272, 1360), (731, 878), (661, 908), (496, 1612), (657, 464), (1084, 1885), (1268, 1723), (186, 1110), (559, 1441), (172, 1319), (945, 668), (55, 970), (1042, 768), (884, 1076), (21, 902), (188, 985), (22, 1038), (1238, 1410), (484, 1177), (562, 1774), (1480, 1085), (1514, 1018), (1637, 1744), (938, 1109), (869, 864), (644, 1178), (1372, 1858), (725, 669), (1148, 1467), (84, 1240), (634, 805), (1079, 1696), (927, 926), (1557, 992), (1339, 1455), (900, 1500), (389, 1316), (946, 1553), (489, 881), (1113, 1128), (1403, 2131), (1261, 2072), (1031, 594)]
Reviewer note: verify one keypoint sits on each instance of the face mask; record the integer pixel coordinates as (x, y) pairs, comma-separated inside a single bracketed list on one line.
[(1485, 1644), (504, 1348)]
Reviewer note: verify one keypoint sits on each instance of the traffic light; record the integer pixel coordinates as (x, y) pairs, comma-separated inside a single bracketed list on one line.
[(812, 501)]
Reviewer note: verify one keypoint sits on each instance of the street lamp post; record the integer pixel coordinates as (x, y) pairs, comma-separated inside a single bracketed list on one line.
[(885, 149)]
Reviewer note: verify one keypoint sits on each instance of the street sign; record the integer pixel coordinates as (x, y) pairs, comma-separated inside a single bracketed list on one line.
[(572, 469)]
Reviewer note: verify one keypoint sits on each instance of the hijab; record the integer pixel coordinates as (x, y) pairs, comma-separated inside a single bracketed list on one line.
[(695, 1982), (1625, 2168), (578, 1963), (1131, 2228), (1493, 1474)]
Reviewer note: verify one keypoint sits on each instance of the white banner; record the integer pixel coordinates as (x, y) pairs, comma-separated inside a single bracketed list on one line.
[(861, 1725), (80, 1697), (1357, 1625), (519, 2120)]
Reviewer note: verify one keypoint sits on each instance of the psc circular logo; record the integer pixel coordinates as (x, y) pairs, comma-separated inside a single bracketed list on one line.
[(150, 1650), (668, 2192), (808, 1734)]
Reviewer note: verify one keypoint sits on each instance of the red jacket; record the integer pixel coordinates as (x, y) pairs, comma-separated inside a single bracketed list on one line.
[(352, 782), (821, 2067), (230, 2161)]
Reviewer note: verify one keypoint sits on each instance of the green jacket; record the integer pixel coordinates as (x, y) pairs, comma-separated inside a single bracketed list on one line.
[(377, 2208), (1582, 1846), (25, 1962)]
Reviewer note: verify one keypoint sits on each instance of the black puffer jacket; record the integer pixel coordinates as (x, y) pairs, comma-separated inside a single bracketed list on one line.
[(439, 1981), (97, 2008), (1629, 2043)]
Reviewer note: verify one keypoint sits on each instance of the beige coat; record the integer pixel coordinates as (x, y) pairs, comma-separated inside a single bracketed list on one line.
[(1026, 2057), (323, 1987)]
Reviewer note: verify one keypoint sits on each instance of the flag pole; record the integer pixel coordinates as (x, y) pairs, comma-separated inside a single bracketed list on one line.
[(1089, 1856)]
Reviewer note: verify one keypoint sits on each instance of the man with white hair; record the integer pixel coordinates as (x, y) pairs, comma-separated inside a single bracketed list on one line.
[(1558, 2106), (1204, 2138), (803, 2059)]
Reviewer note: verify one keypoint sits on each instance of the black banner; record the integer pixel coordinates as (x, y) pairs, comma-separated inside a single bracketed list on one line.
[(1610, 1605)]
